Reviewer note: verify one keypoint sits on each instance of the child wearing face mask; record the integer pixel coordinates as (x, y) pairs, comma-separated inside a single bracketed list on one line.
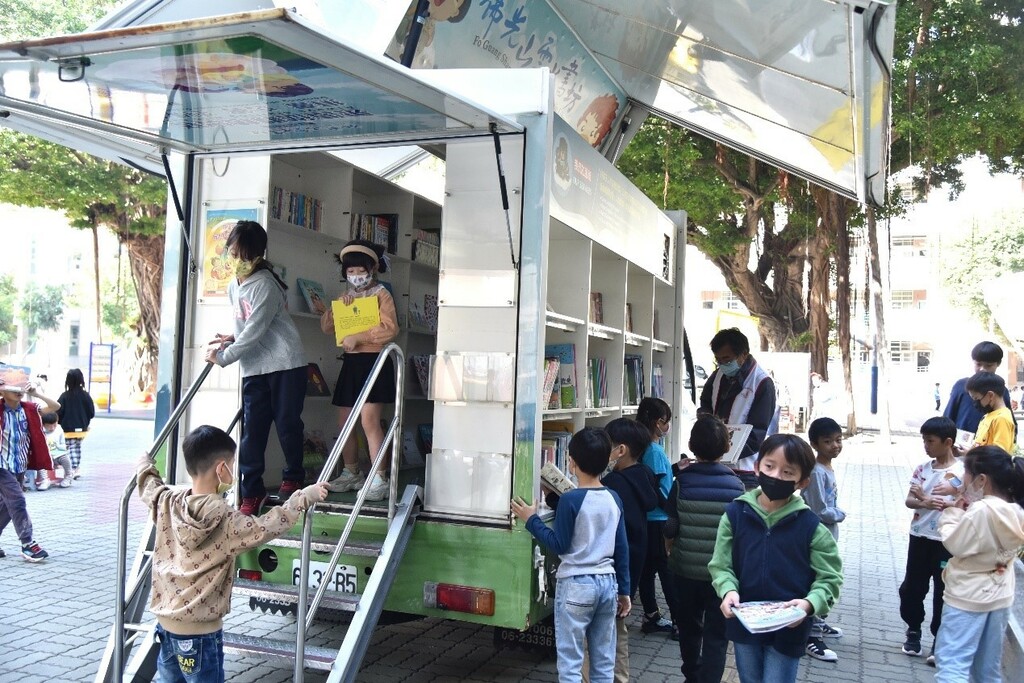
[(361, 261), (770, 546), (983, 532), (656, 416), (997, 427), (198, 536)]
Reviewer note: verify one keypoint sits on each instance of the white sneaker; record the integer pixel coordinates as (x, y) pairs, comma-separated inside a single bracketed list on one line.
[(42, 485), (65, 483), (348, 481), (378, 488)]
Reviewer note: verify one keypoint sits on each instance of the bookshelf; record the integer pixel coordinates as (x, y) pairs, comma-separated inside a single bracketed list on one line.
[(354, 203)]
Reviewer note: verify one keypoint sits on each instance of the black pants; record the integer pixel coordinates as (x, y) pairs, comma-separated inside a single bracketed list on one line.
[(925, 561), (702, 641), (656, 562), (274, 397)]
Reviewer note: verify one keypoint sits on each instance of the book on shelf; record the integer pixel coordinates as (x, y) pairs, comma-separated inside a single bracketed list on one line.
[(550, 378), (361, 315), (658, 381), (633, 388), (566, 355), (764, 617), (424, 315), (313, 293), (629, 318), (555, 448), (379, 228), (556, 480), (420, 364), (296, 208), (316, 385), (426, 253), (597, 376), (596, 308)]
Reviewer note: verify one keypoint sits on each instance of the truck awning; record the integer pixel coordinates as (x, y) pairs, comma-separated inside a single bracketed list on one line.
[(255, 81), (800, 84)]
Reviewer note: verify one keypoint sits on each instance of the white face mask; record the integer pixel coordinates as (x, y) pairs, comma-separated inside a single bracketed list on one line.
[(358, 281), (974, 493)]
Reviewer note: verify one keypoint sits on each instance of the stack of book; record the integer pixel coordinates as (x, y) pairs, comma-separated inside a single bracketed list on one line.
[(633, 387), (379, 228), (554, 448), (426, 248), (296, 208)]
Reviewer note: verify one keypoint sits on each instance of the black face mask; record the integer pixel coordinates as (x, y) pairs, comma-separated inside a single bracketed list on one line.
[(982, 408), (775, 489)]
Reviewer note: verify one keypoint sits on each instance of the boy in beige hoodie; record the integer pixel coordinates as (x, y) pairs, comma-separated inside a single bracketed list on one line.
[(198, 536), (979, 578)]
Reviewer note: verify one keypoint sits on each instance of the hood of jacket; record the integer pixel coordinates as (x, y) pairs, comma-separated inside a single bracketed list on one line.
[(195, 517)]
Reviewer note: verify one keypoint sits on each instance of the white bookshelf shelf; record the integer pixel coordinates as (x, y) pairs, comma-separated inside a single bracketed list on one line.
[(659, 346), (561, 413), (602, 331), (304, 233), (558, 321), (600, 412)]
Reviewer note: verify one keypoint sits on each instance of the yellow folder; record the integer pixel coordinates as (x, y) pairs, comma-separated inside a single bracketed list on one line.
[(360, 316)]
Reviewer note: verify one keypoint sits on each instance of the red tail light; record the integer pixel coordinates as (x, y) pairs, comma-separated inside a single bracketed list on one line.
[(250, 574), (455, 598)]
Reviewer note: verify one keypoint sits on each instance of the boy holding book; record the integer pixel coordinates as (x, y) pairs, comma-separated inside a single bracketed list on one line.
[(695, 506), (821, 495), (589, 536), (771, 547), (926, 556)]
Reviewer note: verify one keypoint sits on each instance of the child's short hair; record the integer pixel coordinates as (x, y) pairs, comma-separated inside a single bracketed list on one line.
[(709, 438), (590, 448), (204, 447), (940, 427), (987, 352), (794, 449), (629, 433), (984, 382), (49, 418), (822, 427)]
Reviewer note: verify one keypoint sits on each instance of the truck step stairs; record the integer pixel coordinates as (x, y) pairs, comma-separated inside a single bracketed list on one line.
[(319, 658)]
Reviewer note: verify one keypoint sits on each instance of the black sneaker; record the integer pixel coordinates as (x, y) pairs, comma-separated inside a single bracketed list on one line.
[(912, 645), (816, 648), (33, 553), (655, 623)]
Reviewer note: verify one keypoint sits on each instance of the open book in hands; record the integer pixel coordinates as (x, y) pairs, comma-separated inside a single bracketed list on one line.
[(555, 479), (763, 617)]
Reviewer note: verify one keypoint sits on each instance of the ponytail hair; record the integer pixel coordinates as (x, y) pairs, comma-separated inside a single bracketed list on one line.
[(1005, 473), (250, 241), (651, 410)]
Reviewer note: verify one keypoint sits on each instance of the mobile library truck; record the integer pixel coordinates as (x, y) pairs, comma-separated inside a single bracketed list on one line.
[(542, 293)]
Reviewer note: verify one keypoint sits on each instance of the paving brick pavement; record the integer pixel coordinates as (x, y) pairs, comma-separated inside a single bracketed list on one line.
[(56, 615)]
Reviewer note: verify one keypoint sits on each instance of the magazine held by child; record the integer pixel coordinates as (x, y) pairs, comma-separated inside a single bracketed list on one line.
[(764, 617)]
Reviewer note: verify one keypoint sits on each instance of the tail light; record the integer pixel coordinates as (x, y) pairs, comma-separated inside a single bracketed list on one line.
[(448, 596), (250, 575)]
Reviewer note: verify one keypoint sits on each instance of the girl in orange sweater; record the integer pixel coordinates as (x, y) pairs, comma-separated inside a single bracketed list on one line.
[(361, 261)]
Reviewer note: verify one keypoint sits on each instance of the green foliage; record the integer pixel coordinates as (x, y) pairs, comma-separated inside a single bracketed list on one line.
[(980, 257), (121, 308), (32, 18), (8, 294), (958, 86), (41, 308)]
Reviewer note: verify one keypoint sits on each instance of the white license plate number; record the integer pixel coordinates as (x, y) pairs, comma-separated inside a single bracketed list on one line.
[(343, 580)]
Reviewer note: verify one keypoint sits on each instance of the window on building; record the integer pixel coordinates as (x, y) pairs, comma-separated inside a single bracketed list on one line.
[(732, 302), (902, 299), (909, 246), (73, 339), (924, 360), (707, 304), (900, 352)]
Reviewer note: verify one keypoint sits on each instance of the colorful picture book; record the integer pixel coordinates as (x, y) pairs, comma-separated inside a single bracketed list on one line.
[(764, 617), (15, 377), (547, 388), (313, 293), (555, 479), (316, 385), (379, 228), (566, 355), (554, 448), (359, 316)]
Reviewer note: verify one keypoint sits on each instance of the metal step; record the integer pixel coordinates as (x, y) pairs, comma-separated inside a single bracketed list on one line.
[(319, 658), (359, 547), (289, 595)]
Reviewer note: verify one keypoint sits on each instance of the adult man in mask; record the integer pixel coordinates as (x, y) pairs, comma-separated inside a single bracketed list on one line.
[(739, 391)]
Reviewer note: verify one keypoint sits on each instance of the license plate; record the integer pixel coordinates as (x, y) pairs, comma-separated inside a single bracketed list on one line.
[(343, 580)]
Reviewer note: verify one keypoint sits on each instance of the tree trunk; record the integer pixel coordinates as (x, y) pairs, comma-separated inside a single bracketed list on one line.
[(834, 214), (145, 255), (881, 345), (96, 281), (818, 300)]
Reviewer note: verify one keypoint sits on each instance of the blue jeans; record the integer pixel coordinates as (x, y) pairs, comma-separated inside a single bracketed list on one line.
[(970, 643), (585, 610), (12, 506), (275, 397), (190, 659), (764, 664)]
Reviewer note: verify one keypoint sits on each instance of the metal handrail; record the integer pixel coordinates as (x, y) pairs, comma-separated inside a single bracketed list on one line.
[(303, 619), (122, 523)]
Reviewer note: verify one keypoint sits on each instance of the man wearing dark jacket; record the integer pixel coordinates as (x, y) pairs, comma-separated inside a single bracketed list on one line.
[(739, 391)]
